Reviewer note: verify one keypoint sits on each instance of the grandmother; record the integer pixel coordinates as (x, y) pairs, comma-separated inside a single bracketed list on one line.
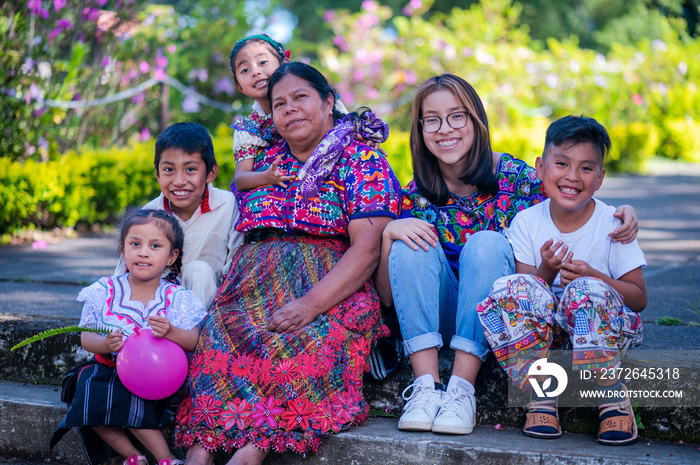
[(282, 352)]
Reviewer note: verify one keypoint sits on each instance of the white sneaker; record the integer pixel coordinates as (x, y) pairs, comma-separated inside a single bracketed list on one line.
[(457, 411), (422, 406)]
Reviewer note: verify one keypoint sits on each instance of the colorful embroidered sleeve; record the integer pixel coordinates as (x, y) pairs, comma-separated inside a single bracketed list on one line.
[(372, 187), (253, 133)]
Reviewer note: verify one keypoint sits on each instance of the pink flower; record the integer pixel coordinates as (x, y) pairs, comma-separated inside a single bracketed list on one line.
[(161, 61), (172, 48), (298, 414), (284, 372), (369, 5), (145, 134), (159, 74), (59, 4), (328, 16), (39, 244), (498, 426), (323, 419), (236, 414), (144, 67), (637, 99), (207, 409), (265, 412)]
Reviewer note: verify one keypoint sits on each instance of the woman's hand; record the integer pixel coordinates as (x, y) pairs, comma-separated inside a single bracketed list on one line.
[(414, 232), (160, 326), (114, 340), (292, 316), (627, 232), (274, 174)]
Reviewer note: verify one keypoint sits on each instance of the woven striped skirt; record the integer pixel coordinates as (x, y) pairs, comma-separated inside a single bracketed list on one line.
[(96, 397), (279, 390)]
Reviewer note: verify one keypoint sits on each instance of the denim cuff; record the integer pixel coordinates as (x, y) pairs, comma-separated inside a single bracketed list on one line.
[(422, 342), (470, 347)]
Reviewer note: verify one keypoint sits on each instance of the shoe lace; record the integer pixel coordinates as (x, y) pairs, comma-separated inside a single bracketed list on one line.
[(457, 401), (421, 397)]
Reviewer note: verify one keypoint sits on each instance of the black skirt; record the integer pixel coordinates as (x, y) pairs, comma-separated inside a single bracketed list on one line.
[(96, 397)]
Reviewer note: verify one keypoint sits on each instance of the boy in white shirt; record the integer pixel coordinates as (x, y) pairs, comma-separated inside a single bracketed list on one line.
[(574, 287), (185, 168)]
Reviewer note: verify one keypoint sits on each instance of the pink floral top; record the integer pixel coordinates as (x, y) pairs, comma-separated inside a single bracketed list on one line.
[(361, 184)]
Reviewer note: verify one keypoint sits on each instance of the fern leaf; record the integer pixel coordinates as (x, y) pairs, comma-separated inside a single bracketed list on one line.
[(55, 331)]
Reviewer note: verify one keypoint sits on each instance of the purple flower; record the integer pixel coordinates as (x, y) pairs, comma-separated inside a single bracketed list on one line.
[(59, 4), (190, 105), (224, 86), (101, 3), (64, 23), (106, 60), (328, 16), (34, 92), (55, 33), (138, 98)]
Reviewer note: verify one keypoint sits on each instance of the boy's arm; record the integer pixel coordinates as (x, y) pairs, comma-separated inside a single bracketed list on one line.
[(630, 285)]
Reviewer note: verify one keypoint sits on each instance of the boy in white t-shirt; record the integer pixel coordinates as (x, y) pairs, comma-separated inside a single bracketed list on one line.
[(575, 288)]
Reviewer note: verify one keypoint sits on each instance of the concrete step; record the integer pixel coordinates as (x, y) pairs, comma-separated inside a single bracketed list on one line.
[(29, 414), (46, 361)]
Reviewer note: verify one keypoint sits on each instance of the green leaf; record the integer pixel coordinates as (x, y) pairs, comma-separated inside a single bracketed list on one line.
[(55, 331)]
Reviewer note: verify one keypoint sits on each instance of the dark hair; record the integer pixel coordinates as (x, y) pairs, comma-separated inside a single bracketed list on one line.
[(191, 138), (276, 47), (479, 169), (166, 223), (573, 130), (310, 75)]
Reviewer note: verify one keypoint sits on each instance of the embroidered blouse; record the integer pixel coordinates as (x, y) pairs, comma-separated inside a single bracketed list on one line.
[(253, 133), (108, 303), (361, 184), (518, 189)]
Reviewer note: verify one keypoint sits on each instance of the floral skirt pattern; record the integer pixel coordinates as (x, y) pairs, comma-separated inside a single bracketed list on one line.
[(278, 390), (523, 320)]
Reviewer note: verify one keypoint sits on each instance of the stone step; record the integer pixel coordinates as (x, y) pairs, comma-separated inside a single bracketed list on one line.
[(46, 361), (29, 414)]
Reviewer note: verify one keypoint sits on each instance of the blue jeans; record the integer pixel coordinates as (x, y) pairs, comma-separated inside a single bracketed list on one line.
[(433, 304)]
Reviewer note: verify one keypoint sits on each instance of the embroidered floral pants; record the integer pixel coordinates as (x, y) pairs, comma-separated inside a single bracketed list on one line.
[(523, 320)]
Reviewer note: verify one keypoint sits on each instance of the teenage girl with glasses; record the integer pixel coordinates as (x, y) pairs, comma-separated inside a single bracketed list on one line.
[(441, 257)]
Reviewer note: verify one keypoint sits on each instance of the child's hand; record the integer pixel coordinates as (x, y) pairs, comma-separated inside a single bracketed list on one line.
[(550, 258), (115, 341), (160, 326), (274, 174), (573, 269)]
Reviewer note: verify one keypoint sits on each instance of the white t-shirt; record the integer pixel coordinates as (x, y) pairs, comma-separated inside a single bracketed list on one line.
[(534, 226)]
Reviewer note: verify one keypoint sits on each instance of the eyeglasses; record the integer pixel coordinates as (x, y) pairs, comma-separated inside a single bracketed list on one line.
[(456, 120)]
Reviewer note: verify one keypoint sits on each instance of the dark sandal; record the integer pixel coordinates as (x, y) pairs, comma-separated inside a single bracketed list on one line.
[(536, 417), (622, 423)]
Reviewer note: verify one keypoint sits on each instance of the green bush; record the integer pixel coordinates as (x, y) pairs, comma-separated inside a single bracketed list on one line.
[(92, 186)]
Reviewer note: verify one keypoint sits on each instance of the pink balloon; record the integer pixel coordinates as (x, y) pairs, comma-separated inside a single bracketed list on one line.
[(151, 367)]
